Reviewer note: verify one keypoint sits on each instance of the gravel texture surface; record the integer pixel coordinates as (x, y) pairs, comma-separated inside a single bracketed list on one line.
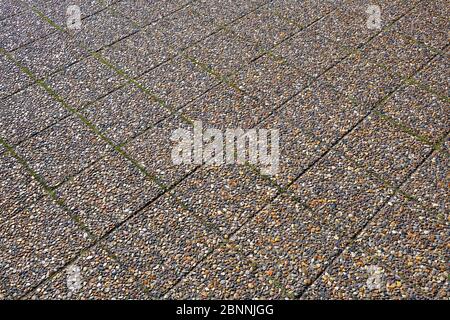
[(429, 184), (224, 52), (63, 150), (161, 243), (138, 53), (299, 148), (302, 13), (12, 79), (340, 193), (345, 27), (28, 112), (427, 23), (224, 107), (225, 11), (40, 239), (153, 149), (93, 206), (399, 255), (21, 29), (17, 187), (102, 29), (325, 113), (56, 10), (290, 244), (108, 193), (390, 9), (226, 274), (270, 80), (399, 54), (362, 79), (311, 52), (84, 82), (225, 197), (435, 75), (184, 28), (177, 82), (49, 54), (10, 8), (144, 13), (380, 147), (124, 113), (264, 28), (100, 277), (423, 111)]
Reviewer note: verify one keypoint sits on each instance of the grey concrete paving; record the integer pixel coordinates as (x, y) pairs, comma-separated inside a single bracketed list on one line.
[(17, 187), (84, 82), (49, 54), (63, 150), (108, 193), (390, 152), (13, 79), (38, 241), (29, 112), (401, 253), (92, 205)]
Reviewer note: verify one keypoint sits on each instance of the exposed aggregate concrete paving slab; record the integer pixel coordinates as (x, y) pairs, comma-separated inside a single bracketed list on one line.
[(130, 103), (346, 28), (429, 184), (84, 82), (161, 244), (239, 278), (49, 54), (93, 206), (17, 187), (184, 28), (138, 53), (340, 191), (146, 12), (177, 81), (325, 112), (427, 23), (39, 240), (12, 79), (102, 29), (397, 53), (270, 80), (27, 113), (435, 75), (153, 149), (225, 197), (264, 28), (311, 52), (290, 243), (423, 111), (10, 8), (362, 79), (101, 277), (224, 107), (224, 52), (63, 150), (20, 29), (302, 13), (383, 149), (400, 255), (389, 9), (225, 11), (108, 193), (56, 10), (299, 147)]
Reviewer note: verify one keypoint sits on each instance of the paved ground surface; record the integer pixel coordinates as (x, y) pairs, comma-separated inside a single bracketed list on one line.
[(88, 191)]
